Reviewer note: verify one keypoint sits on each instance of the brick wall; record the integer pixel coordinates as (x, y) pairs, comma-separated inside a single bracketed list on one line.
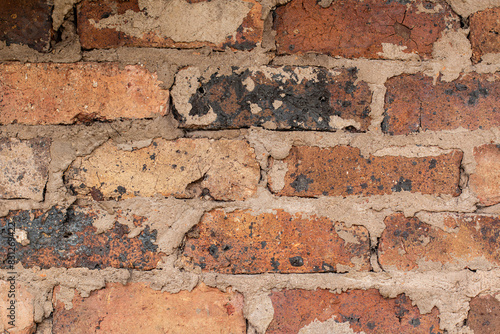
[(249, 166)]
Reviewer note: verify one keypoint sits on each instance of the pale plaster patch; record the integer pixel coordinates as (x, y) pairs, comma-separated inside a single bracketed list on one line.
[(339, 123), (259, 311), (411, 151), (277, 175), (451, 53), (393, 51), (329, 326), (467, 7)]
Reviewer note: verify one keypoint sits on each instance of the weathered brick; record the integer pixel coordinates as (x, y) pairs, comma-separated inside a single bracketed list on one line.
[(184, 168), (69, 239), (47, 93), (485, 181), (467, 241), (342, 171), (484, 314), (203, 310), (299, 98), (24, 168), (24, 309), (365, 310), (354, 29), (175, 24), (413, 103), (26, 22), (484, 33), (241, 242)]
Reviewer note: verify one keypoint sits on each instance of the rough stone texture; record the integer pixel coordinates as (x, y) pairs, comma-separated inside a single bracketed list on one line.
[(484, 315), (24, 168), (241, 242), (26, 22), (24, 323), (484, 33), (467, 241), (69, 239), (354, 29), (184, 168), (48, 93), (485, 181), (298, 98), (174, 24), (203, 310), (414, 104), (342, 171), (365, 310)]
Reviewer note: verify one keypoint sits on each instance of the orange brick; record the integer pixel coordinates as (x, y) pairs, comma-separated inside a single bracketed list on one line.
[(178, 24), (342, 171), (484, 33), (470, 241), (22, 313), (354, 29), (485, 181), (136, 308), (24, 165), (414, 104), (240, 242), (81, 92), (184, 168), (69, 239), (484, 314), (363, 310)]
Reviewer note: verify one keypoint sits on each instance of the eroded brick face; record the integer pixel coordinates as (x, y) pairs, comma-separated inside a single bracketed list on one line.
[(414, 104), (78, 93), (184, 168), (69, 239), (241, 242), (484, 33), (354, 29), (342, 171), (297, 98), (136, 308), (485, 181), (176, 24), (365, 310), (26, 22), (467, 241), (484, 314), (23, 307), (24, 168)]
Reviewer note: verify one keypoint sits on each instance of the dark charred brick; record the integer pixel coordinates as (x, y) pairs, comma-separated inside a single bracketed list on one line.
[(484, 314), (68, 239), (342, 171), (365, 311), (354, 29), (297, 98), (414, 104), (90, 14), (408, 242), (484, 33), (485, 181), (26, 22), (240, 242)]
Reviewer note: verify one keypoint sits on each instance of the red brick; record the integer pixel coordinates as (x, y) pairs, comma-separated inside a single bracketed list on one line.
[(354, 29), (484, 33), (105, 24), (26, 22), (342, 171), (24, 307), (364, 310), (414, 104), (297, 98), (470, 241), (241, 242), (24, 165), (135, 308), (184, 168), (47, 93), (484, 315), (485, 181), (69, 239)]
